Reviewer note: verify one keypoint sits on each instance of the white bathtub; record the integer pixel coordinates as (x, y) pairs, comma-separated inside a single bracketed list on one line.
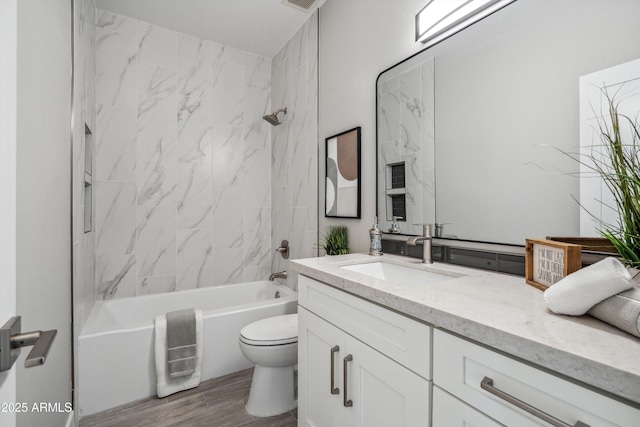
[(116, 358)]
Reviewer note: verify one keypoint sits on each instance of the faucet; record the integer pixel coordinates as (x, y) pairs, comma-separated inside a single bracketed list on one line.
[(278, 275), (426, 243)]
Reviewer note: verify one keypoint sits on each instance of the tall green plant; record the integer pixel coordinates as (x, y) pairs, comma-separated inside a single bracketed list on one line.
[(619, 168), (335, 242)]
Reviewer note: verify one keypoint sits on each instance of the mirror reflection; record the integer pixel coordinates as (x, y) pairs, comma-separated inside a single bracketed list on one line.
[(477, 120)]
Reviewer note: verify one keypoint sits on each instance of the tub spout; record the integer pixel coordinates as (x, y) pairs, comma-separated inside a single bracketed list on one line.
[(278, 275)]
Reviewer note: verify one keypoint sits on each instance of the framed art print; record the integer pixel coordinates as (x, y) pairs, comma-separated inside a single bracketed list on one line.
[(342, 190)]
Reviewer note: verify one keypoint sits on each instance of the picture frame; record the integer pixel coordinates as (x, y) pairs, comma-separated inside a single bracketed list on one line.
[(547, 261), (343, 174)]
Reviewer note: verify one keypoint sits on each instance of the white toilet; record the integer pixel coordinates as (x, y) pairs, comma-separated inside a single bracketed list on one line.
[(272, 344)]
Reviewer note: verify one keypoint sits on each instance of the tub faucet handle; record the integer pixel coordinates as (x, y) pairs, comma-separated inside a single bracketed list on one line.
[(284, 249)]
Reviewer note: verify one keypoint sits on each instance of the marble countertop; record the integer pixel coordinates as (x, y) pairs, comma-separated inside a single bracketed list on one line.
[(501, 311)]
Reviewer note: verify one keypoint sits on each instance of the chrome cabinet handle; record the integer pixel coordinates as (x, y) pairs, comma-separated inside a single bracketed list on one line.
[(334, 389), (346, 402), (487, 384)]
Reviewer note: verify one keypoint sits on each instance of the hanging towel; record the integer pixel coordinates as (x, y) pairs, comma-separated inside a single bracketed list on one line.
[(173, 352), (579, 291), (621, 310), (181, 343)]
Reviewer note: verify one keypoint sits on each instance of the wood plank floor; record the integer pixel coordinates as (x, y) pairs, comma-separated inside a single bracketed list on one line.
[(215, 403)]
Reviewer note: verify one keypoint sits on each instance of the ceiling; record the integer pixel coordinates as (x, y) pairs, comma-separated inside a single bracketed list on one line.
[(261, 27)]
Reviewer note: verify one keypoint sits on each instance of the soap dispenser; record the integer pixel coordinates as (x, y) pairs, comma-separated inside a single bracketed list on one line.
[(375, 239)]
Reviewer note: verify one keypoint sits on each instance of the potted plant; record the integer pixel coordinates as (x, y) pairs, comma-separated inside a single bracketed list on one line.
[(335, 241), (618, 165)]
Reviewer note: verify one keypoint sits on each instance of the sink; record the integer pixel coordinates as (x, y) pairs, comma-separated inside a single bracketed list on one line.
[(399, 273)]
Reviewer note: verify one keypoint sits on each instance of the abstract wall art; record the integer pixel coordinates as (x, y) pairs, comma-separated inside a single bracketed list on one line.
[(342, 193)]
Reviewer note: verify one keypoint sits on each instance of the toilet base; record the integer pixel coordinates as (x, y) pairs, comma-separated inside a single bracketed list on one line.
[(272, 391)]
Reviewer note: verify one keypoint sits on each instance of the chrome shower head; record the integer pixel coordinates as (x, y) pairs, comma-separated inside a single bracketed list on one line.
[(273, 118)]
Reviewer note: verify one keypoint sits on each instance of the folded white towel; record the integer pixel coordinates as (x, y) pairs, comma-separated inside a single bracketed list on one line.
[(579, 291), (165, 384)]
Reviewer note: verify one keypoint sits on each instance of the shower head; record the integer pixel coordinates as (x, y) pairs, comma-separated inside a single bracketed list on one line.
[(273, 118)]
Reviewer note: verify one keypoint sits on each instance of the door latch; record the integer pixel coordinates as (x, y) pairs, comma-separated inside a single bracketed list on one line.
[(11, 340)]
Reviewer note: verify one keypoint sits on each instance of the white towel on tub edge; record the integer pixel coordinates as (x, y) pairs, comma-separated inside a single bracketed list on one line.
[(165, 384)]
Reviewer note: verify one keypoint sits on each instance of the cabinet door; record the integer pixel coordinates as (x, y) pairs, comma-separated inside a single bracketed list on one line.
[(317, 341), (383, 393), (451, 412)]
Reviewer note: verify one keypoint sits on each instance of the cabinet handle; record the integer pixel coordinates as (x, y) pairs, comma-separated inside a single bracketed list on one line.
[(487, 384), (334, 389), (347, 402)]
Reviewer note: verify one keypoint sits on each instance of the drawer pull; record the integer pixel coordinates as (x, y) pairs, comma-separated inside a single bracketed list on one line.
[(346, 402), (487, 384), (334, 389)]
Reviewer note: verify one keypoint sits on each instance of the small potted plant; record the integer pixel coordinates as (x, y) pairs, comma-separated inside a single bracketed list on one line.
[(335, 242)]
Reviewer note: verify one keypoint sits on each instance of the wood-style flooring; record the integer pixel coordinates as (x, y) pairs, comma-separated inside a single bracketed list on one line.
[(215, 403)]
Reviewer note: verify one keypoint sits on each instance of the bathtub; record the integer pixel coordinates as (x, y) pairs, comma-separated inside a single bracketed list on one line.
[(115, 351)]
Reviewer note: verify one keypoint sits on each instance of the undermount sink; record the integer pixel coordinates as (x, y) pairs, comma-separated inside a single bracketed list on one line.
[(398, 273)]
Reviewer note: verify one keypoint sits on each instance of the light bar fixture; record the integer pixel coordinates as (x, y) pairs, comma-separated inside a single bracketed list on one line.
[(441, 18)]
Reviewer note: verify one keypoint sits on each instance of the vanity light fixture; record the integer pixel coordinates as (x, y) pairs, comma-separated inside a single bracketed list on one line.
[(440, 19)]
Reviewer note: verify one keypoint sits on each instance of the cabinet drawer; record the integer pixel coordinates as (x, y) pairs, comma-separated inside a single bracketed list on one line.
[(404, 340), (449, 411), (460, 366)]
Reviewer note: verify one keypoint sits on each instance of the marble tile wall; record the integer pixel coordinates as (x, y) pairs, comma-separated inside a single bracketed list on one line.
[(84, 35), (406, 133), (183, 160), (83, 117), (294, 175)]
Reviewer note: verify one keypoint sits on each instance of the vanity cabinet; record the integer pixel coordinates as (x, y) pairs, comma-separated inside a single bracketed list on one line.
[(501, 388), (345, 374)]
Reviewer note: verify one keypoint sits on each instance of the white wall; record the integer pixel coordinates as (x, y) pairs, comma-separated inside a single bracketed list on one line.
[(358, 40), (43, 201)]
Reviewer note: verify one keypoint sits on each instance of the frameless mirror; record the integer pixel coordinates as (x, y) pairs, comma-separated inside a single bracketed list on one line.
[(470, 131)]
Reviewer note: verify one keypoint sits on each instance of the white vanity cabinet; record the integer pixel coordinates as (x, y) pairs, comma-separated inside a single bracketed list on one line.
[(346, 374), (501, 388)]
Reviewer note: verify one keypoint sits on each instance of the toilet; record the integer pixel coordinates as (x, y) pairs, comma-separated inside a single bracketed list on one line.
[(272, 344)]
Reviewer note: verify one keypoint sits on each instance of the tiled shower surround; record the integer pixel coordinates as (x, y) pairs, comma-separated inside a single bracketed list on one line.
[(184, 159)]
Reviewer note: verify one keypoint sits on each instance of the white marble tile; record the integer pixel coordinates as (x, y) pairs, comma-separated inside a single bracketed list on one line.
[(115, 218), (228, 215), (228, 155), (297, 50), (312, 194), (228, 93), (227, 266), (298, 228), (257, 242), (310, 132), (312, 47), (156, 244), (157, 46), (194, 130), (303, 177), (281, 157), (157, 102), (156, 285), (281, 218), (115, 22), (257, 132), (157, 171), (195, 66), (115, 144), (115, 276), (257, 72), (298, 114), (389, 116), (195, 259), (279, 86), (227, 54), (252, 274), (257, 178), (116, 57), (427, 75), (194, 195)]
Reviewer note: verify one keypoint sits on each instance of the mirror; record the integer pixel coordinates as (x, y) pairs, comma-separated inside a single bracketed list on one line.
[(477, 121)]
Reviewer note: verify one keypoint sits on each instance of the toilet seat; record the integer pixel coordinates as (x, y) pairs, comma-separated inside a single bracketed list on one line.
[(277, 330)]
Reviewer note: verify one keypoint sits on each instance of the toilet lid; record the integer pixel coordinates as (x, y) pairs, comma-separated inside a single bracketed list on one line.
[(276, 330)]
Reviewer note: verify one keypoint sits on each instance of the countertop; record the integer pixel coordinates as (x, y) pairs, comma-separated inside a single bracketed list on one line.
[(500, 311)]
